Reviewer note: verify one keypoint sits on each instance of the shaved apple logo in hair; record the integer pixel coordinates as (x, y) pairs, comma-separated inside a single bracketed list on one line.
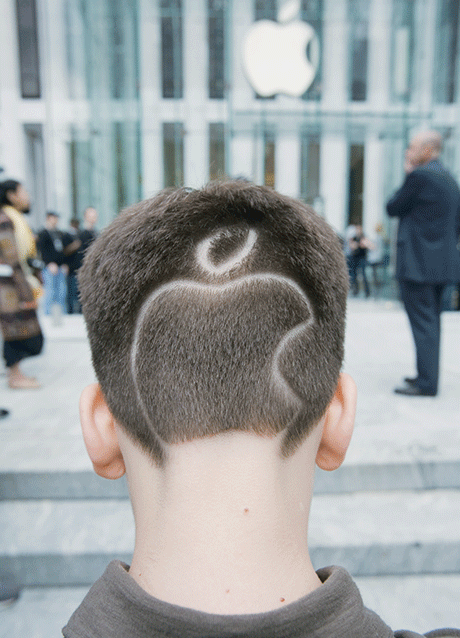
[(275, 54)]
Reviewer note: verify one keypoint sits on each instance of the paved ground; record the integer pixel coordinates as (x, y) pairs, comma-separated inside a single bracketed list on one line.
[(42, 435)]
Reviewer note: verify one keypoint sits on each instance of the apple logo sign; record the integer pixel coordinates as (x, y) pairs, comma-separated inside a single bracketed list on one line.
[(275, 54)]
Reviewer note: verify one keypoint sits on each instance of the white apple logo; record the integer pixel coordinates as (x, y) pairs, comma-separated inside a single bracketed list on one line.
[(275, 54)]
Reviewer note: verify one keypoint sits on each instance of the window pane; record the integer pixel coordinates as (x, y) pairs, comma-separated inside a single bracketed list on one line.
[(447, 52), (312, 12), (173, 154), (269, 159), (358, 49), (216, 150), (309, 168), (402, 48), (265, 9), (123, 54), (171, 48), (356, 183), (216, 37), (81, 171), (28, 48)]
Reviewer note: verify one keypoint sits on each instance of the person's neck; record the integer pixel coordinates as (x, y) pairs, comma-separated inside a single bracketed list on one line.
[(226, 529)]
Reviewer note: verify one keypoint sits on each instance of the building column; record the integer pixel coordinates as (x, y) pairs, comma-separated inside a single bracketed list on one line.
[(373, 183), (241, 156), (58, 113), (425, 27), (287, 164), (12, 148), (196, 140), (242, 17), (378, 77), (335, 54), (334, 178), (150, 96)]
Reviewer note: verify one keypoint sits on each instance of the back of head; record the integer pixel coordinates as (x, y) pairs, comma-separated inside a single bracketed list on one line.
[(428, 145), (5, 187), (216, 310)]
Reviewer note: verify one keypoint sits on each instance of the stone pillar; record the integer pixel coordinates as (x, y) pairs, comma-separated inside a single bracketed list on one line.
[(12, 143), (241, 156), (287, 164), (150, 96), (196, 140), (373, 205), (54, 78), (334, 178), (378, 76), (335, 54)]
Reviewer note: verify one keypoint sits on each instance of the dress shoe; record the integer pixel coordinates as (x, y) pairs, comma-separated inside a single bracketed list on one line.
[(411, 380), (414, 391)]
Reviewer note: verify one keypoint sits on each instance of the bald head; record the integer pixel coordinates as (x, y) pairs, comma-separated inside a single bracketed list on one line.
[(423, 147)]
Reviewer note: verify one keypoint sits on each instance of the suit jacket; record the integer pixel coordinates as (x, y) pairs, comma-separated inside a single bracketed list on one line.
[(428, 207)]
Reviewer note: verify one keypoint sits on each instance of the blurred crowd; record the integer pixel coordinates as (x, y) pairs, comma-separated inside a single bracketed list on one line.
[(35, 268), (365, 254)]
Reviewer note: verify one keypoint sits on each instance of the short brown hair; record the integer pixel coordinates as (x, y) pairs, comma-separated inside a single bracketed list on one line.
[(215, 310)]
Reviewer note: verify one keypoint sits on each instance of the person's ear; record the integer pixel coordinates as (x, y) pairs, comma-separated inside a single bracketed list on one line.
[(338, 425), (99, 433)]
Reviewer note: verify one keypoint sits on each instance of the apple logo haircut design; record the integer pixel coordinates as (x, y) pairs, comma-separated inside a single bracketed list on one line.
[(192, 324), (214, 266), (275, 56)]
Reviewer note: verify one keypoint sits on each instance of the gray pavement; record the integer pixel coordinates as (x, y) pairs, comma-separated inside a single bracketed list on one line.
[(391, 515)]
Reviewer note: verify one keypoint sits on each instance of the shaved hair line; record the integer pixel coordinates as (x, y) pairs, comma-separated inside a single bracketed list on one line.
[(203, 248)]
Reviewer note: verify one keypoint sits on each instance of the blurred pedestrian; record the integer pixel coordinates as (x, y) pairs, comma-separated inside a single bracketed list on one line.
[(51, 243), (358, 246), (376, 256), (428, 207), (19, 289), (84, 238)]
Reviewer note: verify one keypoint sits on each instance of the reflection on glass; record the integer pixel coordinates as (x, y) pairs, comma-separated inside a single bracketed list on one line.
[(269, 158), (356, 184), (173, 154), (216, 38), (358, 14), (216, 150), (402, 49), (447, 52), (171, 48), (28, 48), (312, 12), (309, 167)]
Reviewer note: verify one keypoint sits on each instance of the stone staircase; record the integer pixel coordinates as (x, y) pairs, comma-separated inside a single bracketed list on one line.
[(390, 514), (62, 528)]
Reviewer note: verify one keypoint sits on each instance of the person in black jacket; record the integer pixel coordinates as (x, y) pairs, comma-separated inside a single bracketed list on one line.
[(428, 207), (52, 243), (83, 240)]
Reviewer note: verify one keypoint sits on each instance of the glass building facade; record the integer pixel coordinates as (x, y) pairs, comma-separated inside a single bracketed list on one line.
[(104, 102)]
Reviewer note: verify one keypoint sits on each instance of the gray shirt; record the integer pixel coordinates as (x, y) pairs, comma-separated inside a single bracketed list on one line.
[(117, 607)]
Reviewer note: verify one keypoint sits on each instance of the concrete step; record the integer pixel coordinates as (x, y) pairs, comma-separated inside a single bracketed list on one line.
[(57, 542), (419, 603), (407, 474)]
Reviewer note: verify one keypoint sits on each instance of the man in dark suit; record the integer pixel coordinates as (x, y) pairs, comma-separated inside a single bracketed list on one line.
[(428, 207)]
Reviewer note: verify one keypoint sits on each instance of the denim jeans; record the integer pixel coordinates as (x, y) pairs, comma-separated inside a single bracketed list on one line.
[(55, 289)]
